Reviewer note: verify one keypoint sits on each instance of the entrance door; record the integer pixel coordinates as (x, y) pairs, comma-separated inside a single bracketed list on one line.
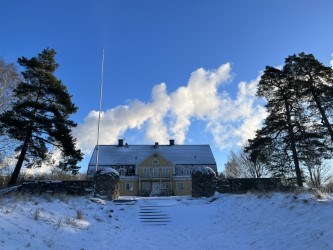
[(155, 188)]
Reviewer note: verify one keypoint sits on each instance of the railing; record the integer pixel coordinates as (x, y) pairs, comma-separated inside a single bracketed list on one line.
[(155, 175), (163, 192)]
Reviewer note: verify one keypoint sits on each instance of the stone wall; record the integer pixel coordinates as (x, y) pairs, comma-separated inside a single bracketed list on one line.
[(204, 184), (243, 185), (74, 187), (105, 183)]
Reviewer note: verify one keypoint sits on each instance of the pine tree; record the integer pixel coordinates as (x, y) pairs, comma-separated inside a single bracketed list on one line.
[(299, 102), (39, 117), (283, 108), (314, 85)]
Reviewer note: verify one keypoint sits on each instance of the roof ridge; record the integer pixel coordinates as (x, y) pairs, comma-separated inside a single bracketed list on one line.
[(178, 154)]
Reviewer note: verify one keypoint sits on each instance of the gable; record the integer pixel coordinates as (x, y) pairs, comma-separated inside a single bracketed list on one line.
[(155, 160)]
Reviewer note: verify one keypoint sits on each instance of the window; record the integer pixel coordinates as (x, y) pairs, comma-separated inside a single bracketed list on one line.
[(129, 186), (165, 170), (145, 186), (155, 172), (180, 186), (145, 170), (155, 162), (122, 171), (165, 185), (186, 171)]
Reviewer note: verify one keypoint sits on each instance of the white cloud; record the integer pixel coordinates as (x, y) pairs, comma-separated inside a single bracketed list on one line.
[(230, 121), (45, 168), (157, 129), (199, 99), (239, 118), (331, 62)]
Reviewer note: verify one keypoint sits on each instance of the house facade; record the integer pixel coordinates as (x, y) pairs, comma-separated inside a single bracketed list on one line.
[(153, 170)]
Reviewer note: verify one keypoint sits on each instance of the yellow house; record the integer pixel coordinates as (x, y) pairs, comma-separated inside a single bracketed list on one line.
[(153, 170)]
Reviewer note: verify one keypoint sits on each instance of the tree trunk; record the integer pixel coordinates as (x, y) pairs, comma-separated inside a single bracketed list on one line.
[(322, 112), (293, 146), (311, 176), (14, 177)]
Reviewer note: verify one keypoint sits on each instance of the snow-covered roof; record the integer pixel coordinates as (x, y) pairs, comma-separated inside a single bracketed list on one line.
[(134, 154)]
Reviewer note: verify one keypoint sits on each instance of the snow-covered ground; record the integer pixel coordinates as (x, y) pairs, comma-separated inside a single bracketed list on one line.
[(225, 221)]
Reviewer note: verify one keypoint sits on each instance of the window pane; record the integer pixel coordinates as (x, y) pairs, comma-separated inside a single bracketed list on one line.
[(180, 186), (129, 186), (155, 162)]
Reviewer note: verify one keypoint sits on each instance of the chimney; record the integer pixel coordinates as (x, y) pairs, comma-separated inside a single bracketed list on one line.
[(172, 142), (156, 145), (120, 143)]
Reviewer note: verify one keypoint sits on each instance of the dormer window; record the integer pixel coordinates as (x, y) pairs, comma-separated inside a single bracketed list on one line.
[(122, 171), (186, 171)]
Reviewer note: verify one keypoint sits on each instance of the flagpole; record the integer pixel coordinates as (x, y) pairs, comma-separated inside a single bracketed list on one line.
[(100, 110)]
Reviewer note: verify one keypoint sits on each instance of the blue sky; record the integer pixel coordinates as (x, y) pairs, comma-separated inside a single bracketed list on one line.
[(173, 69)]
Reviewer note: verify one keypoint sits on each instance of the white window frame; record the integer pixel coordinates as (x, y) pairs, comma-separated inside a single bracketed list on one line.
[(155, 170), (145, 186), (186, 171), (180, 186), (155, 162), (165, 170), (122, 171), (165, 185)]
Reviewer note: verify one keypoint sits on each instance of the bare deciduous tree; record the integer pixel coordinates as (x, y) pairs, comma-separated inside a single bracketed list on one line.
[(319, 175), (232, 166), (240, 165), (9, 79), (249, 168)]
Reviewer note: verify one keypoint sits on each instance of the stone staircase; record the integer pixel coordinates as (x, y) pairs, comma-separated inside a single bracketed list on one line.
[(154, 215), (128, 202)]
